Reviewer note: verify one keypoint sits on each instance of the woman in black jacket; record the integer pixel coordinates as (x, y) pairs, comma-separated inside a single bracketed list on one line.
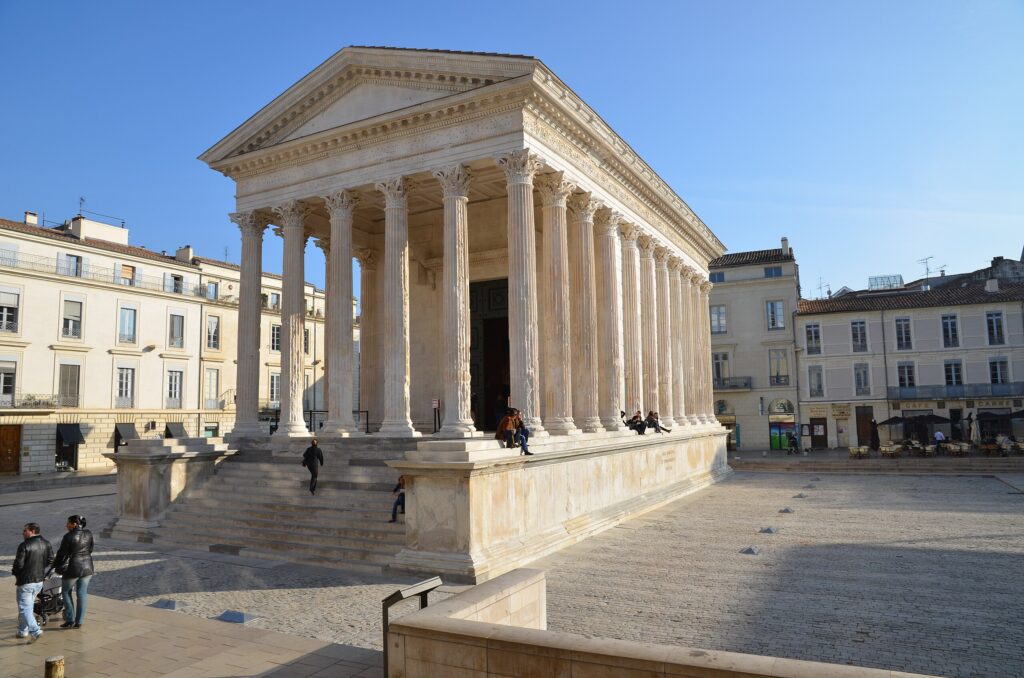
[(74, 564)]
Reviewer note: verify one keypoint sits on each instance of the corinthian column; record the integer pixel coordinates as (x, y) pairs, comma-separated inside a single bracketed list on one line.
[(708, 394), (371, 397), (291, 217), (340, 351), (324, 245), (520, 167), (609, 321), (689, 339), (695, 336), (396, 310), (649, 323), (557, 381), (583, 306), (247, 379), (663, 316), (458, 423), (632, 317), (676, 339)]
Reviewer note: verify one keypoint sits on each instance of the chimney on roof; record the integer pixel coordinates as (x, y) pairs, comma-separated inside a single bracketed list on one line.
[(785, 246), (992, 285), (31, 218), (184, 253)]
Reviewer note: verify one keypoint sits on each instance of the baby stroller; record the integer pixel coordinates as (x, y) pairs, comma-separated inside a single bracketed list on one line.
[(50, 600)]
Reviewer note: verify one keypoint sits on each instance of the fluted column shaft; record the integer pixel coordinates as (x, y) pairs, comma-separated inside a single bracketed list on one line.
[(663, 316), (708, 395), (293, 318), (247, 378), (340, 350), (396, 310), (458, 422), (371, 397), (583, 316), (649, 324), (689, 338), (609, 321), (324, 245), (632, 317), (520, 168), (557, 379), (676, 341)]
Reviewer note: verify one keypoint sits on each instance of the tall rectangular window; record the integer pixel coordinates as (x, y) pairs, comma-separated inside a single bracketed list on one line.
[(720, 365), (778, 366), (813, 334), (72, 265), (862, 379), (816, 381), (275, 300), (994, 321), (905, 372), (275, 389), (716, 276), (125, 387), (177, 283), (8, 374), (212, 388), (859, 336), (9, 311), (950, 332), (71, 325), (126, 326), (719, 323), (773, 271), (211, 290), (127, 274), (305, 340), (213, 332), (275, 337), (998, 370), (67, 385), (776, 314), (174, 381), (954, 373), (176, 331), (904, 341)]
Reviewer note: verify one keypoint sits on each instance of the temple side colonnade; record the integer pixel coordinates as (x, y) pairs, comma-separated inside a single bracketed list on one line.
[(600, 356)]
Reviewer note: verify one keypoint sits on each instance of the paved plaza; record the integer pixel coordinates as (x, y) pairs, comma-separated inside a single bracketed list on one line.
[(911, 572), (915, 573)]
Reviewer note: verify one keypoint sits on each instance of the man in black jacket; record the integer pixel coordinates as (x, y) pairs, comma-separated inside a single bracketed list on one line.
[(34, 555), (313, 459)]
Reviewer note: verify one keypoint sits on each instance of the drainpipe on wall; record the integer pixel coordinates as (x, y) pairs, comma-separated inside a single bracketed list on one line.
[(796, 378), (202, 347), (885, 368)]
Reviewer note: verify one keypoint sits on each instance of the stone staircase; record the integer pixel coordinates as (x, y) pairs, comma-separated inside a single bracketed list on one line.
[(258, 505)]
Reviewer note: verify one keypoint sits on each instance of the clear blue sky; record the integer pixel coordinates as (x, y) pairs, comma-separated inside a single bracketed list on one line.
[(871, 133)]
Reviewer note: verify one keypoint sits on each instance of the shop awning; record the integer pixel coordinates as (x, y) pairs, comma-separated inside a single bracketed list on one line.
[(70, 434), (176, 429), (127, 432)]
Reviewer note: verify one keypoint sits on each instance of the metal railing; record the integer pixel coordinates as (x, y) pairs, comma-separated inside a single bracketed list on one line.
[(779, 380), (422, 590), (941, 392), (125, 338), (727, 383), (176, 342), (9, 326), (71, 331), (124, 402), (213, 404), (67, 400), (29, 401), (45, 264)]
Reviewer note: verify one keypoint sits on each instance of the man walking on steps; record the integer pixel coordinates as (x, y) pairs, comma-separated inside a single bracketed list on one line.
[(313, 459)]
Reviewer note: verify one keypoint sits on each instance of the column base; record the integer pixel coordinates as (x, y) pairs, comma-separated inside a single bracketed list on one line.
[(591, 425), (291, 430), (397, 430), (246, 429), (336, 429), (458, 431), (613, 424), (668, 422), (693, 420), (562, 427)]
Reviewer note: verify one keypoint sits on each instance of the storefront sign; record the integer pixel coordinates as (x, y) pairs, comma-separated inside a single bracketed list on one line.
[(817, 411), (841, 410)]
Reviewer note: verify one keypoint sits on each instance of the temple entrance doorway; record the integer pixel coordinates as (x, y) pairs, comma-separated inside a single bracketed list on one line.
[(489, 352)]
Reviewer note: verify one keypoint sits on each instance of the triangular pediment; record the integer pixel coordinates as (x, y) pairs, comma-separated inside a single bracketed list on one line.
[(360, 83)]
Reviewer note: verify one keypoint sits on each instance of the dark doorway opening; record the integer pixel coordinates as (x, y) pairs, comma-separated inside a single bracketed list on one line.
[(819, 433), (864, 416), (489, 352)]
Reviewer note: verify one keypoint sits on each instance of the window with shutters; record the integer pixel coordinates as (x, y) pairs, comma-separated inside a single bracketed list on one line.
[(71, 325), (127, 274), (905, 372), (176, 338), (950, 332), (813, 334), (994, 321), (8, 372), (174, 381), (126, 326), (9, 311), (904, 341), (71, 265), (67, 388), (177, 284), (213, 332), (125, 387), (212, 389), (275, 337), (275, 390), (954, 373), (998, 370), (776, 314), (212, 290), (859, 336)]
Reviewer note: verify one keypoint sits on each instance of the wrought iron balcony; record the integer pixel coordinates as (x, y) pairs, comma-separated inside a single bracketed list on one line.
[(1012, 389), (779, 380), (734, 384), (29, 401)]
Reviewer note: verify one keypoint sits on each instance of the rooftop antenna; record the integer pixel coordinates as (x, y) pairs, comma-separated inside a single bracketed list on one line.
[(822, 285), (226, 253), (927, 267), (81, 204)]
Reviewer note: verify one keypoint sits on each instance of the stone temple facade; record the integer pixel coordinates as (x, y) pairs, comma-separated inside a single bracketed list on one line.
[(440, 170), (514, 250)]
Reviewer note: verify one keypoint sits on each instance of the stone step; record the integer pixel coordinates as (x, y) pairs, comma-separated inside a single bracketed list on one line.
[(293, 545), (367, 530), (259, 531), (337, 563), (329, 492), (318, 505), (280, 472)]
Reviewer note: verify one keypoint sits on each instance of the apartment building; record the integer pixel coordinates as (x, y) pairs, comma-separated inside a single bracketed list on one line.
[(952, 346), (102, 341), (752, 304)]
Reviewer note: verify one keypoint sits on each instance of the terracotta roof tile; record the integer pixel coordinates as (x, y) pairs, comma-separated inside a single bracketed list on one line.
[(894, 300), (751, 258)]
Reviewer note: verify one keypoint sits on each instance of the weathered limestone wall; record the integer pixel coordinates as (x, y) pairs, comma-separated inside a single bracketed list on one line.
[(493, 630), (476, 519)]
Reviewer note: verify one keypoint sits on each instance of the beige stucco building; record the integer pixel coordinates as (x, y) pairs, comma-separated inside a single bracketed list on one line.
[(952, 346), (101, 340), (752, 304)]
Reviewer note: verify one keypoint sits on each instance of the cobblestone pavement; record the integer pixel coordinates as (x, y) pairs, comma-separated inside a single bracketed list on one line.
[(321, 603), (913, 573)]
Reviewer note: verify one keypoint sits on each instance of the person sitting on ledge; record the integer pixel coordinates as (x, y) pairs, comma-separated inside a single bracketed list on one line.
[(637, 423), (652, 422), (522, 434), (506, 432)]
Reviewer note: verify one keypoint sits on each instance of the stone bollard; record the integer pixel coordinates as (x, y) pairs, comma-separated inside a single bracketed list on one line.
[(55, 667)]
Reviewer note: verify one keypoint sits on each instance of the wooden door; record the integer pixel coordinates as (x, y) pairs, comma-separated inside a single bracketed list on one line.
[(10, 449), (819, 433), (864, 417)]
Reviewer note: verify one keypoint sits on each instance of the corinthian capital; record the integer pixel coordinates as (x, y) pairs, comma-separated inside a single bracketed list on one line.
[(325, 246), (455, 180), (554, 190), (646, 244), (250, 224), (291, 214), (520, 166), (367, 258), (675, 264), (661, 255), (584, 207), (630, 233), (341, 204), (606, 221), (394, 190), (705, 286)]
